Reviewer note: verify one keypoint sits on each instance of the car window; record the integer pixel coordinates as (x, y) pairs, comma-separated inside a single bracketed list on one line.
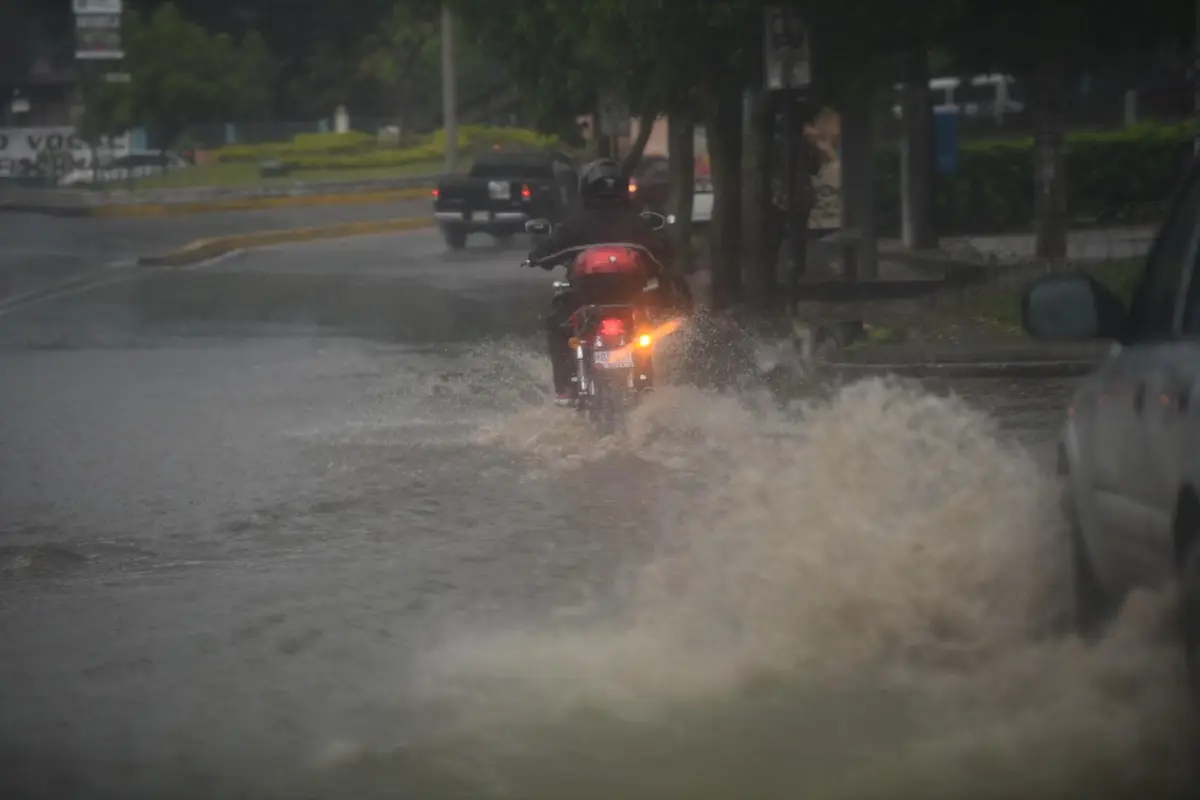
[(1156, 301)]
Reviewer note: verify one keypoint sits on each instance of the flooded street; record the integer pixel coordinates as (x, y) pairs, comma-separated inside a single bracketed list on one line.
[(306, 523)]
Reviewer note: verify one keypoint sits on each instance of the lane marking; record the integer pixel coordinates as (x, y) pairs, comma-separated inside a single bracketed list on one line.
[(86, 283), (81, 284), (64, 289)]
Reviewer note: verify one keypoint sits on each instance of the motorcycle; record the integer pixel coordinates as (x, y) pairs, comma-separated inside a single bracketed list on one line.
[(612, 334)]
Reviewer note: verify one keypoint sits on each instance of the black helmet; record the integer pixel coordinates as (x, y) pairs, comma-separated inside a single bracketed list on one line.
[(603, 179)]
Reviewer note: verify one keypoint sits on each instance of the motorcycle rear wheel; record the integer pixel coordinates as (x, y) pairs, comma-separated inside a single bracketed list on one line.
[(609, 404)]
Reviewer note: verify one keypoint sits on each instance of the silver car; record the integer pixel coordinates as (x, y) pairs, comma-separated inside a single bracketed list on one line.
[(1130, 448)]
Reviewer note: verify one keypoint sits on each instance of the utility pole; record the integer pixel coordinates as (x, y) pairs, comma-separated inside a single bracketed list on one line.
[(786, 53), (449, 91)]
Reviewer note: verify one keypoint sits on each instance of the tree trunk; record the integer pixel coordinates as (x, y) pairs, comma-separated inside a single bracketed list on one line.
[(1050, 180), (681, 133), (916, 163), (645, 130), (725, 151), (758, 266), (407, 70), (858, 189)]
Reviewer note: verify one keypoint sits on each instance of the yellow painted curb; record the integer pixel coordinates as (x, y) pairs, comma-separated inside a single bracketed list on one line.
[(204, 249), (141, 210)]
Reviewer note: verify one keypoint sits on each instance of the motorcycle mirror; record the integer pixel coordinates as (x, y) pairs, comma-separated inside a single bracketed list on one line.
[(657, 220), (562, 284), (538, 227), (670, 219)]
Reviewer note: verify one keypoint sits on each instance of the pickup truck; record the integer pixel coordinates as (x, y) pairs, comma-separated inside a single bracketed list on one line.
[(502, 192)]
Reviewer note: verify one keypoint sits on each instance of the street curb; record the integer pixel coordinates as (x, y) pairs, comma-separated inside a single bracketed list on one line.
[(1073, 368), (205, 249), (150, 210)]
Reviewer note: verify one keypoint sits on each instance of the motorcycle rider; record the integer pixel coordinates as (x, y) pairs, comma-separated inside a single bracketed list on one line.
[(608, 216)]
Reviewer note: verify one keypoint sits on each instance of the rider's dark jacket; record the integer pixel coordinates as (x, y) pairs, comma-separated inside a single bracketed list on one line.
[(604, 224)]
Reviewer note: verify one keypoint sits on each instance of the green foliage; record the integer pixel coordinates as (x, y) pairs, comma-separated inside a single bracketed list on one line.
[(108, 109), (1016, 35), (332, 142), (660, 56), (183, 75), (376, 159), (396, 56), (304, 144), (477, 138), (1112, 177), (538, 44), (355, 150)]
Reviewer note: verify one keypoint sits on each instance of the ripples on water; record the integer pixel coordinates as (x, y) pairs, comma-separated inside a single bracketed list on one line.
[(865, 600)]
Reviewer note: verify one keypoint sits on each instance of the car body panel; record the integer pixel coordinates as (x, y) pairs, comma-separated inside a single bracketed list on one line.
[(1132, 438)]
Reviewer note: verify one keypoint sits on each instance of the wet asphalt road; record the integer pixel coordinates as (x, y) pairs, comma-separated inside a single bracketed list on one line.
[(251, 511), (38, 251)]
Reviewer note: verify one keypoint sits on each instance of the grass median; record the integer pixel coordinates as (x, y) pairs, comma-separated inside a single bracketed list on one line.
[(1001, 305), (247, 174)]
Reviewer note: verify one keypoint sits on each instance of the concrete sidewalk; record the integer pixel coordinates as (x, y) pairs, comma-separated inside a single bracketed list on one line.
[(969, 360), (1084, 245)]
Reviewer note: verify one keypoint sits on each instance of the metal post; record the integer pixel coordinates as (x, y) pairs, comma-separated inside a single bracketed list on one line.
[(449, 98)]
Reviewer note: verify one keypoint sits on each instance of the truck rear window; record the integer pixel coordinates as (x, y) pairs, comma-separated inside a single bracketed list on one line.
[(514, 172)]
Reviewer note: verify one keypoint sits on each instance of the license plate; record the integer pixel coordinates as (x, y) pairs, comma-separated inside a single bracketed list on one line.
[(604, 360)]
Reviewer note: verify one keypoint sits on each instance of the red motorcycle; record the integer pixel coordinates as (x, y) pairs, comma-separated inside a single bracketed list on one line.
[(612, 334)]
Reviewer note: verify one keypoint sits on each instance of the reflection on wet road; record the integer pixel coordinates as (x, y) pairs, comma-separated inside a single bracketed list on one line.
[(304, 523)]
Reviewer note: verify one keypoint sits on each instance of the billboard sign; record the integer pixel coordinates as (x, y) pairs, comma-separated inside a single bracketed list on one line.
[(81, 7)]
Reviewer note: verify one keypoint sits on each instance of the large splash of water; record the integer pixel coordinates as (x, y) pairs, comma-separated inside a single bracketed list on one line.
[(865, 601)]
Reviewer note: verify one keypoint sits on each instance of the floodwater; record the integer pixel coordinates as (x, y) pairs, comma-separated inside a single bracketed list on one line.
[(265, 560)]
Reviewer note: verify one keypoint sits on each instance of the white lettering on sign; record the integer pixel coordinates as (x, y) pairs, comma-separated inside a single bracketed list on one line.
[(98, 22), (30, 152), (96, 6)]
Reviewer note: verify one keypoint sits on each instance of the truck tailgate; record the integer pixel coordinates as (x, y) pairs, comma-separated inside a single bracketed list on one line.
[(461, 194)]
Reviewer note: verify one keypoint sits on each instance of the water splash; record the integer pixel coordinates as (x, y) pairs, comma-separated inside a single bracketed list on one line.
[(870, 606)]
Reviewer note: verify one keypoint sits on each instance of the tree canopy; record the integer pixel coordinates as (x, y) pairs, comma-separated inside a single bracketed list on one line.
[(298, 59), (181, 74)]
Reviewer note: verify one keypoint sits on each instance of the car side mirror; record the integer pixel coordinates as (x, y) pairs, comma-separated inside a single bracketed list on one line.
[(1073, 307), (658, 221), (539, 227)]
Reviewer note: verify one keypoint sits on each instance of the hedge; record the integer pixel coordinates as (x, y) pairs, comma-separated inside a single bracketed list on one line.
[(1121, 177), (375, 159), (355, 150), (302, 144)]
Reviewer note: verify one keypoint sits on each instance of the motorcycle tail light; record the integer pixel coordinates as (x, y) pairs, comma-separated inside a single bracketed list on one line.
[(435, 194), (612, 327), (526, 192)]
